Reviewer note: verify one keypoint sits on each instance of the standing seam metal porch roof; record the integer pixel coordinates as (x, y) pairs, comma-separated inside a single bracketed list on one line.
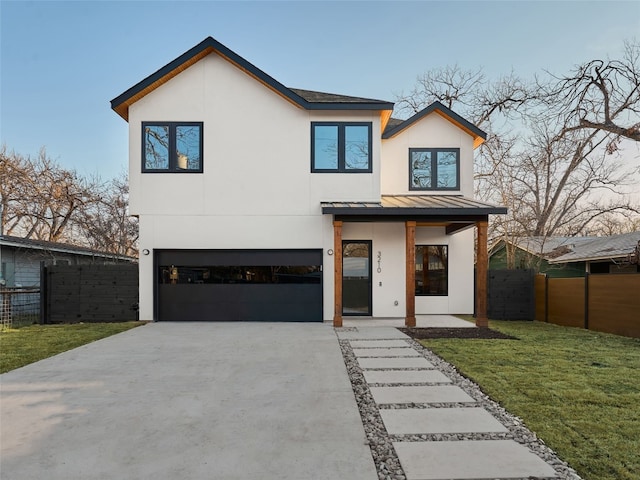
[(432, 205)]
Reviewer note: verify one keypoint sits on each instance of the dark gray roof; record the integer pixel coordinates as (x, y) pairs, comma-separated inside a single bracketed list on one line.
[(598, 248), (423, 205), (29, 243), (559, 249), (322, 97), (393, 123)]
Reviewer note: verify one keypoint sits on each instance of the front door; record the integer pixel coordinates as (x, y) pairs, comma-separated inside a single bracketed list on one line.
[(356, 277)]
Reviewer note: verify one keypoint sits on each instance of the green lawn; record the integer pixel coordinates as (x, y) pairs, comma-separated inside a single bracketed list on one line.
[(578, 390), (22, 346)]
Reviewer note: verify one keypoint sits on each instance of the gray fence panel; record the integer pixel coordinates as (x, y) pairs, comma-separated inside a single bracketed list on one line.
[(511, 295), (91, 293)]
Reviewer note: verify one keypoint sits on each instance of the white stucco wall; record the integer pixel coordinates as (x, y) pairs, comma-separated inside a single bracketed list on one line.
[(432, 131), (257, 190)]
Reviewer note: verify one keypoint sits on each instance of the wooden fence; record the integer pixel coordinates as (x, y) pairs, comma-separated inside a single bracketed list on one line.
[(604, 303), (89, 293)]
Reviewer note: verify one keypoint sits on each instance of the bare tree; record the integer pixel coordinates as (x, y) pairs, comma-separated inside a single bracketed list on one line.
[(551, 154), (41, 200), (107, 225), (600, 95)]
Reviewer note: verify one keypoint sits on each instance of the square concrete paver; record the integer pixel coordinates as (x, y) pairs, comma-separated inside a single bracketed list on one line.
[(440, 420), (469, 459), (371, 333), (380, 363), (385, 352), (431, 394), (405, 376), (378, 343)]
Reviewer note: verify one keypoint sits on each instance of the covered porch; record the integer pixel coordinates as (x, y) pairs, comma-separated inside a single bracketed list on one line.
[(452, 213)]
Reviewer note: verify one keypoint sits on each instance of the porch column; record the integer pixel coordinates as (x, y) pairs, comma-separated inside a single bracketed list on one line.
[(410, 319), (337, 273), (482, 262)]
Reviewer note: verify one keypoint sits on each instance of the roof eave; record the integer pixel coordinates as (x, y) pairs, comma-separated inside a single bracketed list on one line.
[(479, 136), (588, 259), (71, 251), (391, 211)]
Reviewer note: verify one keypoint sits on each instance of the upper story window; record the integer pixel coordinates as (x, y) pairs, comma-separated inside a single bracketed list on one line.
[(341, 147), (172, 147), (434, 169)]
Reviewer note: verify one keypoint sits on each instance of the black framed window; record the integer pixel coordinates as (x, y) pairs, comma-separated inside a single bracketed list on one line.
[(343, 147), (434, 169), (172, 147), (432, 270)]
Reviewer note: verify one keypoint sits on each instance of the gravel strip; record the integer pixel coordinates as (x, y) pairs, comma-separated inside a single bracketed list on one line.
[(380, 442)]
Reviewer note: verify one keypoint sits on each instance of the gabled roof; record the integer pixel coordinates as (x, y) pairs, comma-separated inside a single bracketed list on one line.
[(395, 126), (43, 245), (301, 98), (579, 249)]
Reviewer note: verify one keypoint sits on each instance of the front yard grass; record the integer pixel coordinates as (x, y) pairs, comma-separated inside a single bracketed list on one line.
[(578, 390), (22, 346)]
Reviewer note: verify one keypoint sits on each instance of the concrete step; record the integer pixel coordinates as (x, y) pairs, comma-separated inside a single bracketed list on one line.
[(426, 394), (381, 363), (385, 352), (405, 376), (470, 459), (440, 420)]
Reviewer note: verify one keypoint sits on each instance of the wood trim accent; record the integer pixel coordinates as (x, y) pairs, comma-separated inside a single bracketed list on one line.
[(410, 318), (482, 264), (477, 140), (123, 108), (337, 273)]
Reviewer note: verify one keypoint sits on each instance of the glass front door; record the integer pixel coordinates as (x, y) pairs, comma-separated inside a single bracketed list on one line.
[(356, 277)]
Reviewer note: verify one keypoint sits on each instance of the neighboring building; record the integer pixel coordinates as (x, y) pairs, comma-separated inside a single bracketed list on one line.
[(262, 202), (20, 259), (565, 257)]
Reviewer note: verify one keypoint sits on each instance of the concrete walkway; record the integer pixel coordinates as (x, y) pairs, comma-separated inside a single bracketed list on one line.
[(187, 401), (423, 411)]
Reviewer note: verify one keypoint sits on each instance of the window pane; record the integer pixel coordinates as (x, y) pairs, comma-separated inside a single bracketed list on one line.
[(240, 274), (431, 270), (447, 169), (325, 148), (356, 154), (156, 147), (188, 138), (420, 170)]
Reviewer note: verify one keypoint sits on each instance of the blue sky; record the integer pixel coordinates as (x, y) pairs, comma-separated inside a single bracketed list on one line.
[(62, 62)]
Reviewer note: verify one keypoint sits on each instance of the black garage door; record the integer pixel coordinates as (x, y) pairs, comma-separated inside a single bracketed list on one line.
[(246, 285)]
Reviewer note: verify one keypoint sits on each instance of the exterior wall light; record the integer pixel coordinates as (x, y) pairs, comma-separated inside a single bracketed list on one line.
[(145, 251)]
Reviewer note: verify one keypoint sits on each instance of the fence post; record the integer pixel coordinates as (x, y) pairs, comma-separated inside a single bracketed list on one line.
[(586, 300), (546, 298), (43, 293)]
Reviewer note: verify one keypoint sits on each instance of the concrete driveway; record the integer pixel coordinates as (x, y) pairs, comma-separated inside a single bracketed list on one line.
[(187, 401)]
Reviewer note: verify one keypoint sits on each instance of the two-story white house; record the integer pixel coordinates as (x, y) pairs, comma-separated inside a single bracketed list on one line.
[(261, 202)]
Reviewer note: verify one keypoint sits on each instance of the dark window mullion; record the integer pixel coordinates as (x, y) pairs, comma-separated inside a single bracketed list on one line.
[(434, 168), (172, 146), (341, 148)]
